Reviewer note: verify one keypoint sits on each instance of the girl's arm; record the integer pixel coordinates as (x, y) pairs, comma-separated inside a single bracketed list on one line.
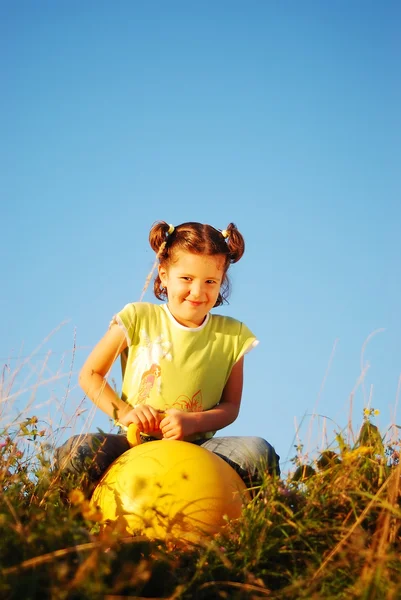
[(92, 377), (178, 424)]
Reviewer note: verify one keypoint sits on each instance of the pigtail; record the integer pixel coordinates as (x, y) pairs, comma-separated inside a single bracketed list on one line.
[(235, 243), (158, 236)]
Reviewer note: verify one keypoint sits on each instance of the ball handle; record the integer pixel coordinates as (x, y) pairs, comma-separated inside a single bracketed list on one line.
[(134, 434)]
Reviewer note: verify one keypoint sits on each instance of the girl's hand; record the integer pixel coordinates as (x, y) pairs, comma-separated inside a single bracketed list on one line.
[(145, 417), (177, 424)]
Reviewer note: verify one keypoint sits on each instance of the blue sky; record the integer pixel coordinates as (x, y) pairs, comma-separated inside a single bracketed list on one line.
[(283, 117)]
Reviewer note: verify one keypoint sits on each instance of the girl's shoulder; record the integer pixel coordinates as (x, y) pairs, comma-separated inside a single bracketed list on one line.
[(135, 313), (142, 308), (137, 316), (233, 329), (225, 319), (225, 322)]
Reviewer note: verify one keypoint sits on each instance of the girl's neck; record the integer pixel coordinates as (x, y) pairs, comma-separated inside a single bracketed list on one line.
[(187, 324)]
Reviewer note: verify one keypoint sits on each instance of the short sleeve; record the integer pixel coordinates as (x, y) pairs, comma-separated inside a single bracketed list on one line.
[(247, 341), (127, 320)]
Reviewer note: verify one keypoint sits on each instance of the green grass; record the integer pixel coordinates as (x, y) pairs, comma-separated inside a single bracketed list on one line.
[(330, 530)]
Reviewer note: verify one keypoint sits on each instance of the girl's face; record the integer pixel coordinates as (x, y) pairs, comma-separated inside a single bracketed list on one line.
[(193, 284)]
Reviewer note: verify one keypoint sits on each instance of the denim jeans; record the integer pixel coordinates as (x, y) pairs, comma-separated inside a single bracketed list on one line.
[(91, 454)]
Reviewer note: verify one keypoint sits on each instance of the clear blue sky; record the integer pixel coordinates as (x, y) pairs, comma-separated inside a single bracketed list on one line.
[(284, 117)]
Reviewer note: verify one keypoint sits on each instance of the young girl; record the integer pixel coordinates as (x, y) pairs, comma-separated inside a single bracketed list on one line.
[(182, 365)]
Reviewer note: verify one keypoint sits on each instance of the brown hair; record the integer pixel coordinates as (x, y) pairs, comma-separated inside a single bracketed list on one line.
[(198, 239)]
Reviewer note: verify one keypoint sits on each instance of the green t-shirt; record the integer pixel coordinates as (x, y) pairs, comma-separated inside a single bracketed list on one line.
[(173, 366)]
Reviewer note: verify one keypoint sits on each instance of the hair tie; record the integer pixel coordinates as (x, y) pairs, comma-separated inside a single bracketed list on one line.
[(225, 233), (170, 229)]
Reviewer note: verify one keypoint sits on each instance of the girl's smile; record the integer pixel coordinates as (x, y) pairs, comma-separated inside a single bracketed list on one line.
[(193, 284)]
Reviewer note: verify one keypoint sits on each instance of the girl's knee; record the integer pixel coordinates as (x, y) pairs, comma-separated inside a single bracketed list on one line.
[(264, 454), (91, 453), (69, 457), (250, 454)]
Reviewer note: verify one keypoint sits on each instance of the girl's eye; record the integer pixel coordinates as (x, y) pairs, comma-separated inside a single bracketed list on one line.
[(186, 278), (210, 281)]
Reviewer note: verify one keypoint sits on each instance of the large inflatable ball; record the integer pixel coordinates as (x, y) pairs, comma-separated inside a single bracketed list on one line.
[(170, 489)]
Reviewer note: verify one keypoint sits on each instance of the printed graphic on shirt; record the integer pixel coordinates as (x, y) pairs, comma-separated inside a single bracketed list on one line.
[(146, 364), (193, 404), (148, 381)]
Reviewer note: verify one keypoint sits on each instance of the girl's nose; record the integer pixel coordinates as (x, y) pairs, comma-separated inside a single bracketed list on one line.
[(196, 289)]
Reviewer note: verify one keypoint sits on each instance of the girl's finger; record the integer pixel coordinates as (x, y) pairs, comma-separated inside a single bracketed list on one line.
[(168, 431), (150, 421), (143, 422), (137, 421)]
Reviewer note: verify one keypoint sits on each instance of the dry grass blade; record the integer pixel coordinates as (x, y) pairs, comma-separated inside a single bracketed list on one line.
[(240, 586), (46, 558), (358, 521)]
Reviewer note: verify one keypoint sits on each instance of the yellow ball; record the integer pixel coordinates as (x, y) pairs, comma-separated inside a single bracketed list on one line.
[(170, 489)]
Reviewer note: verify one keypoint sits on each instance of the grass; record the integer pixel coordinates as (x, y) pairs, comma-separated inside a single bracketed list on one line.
[(330, 530)]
